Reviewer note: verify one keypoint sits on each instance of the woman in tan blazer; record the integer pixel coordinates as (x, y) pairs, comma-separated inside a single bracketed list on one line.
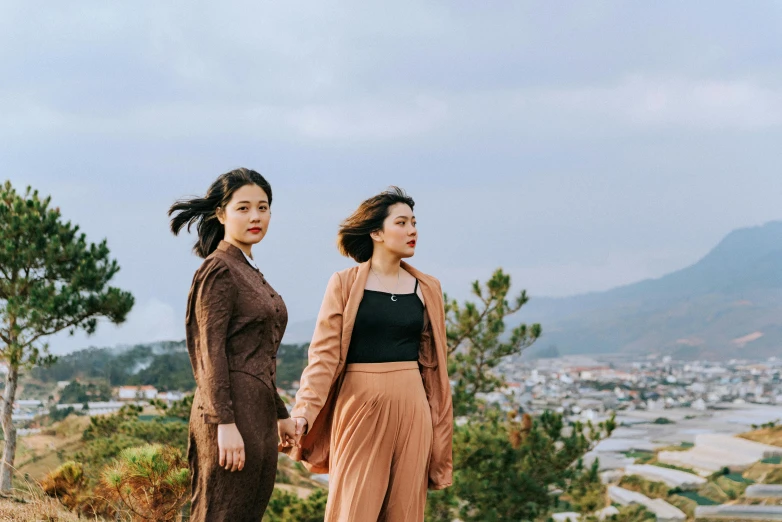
[(374, 407), (235, 321)]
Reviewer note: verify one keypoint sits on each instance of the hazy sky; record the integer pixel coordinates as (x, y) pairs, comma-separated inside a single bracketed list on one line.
[(578, 145)]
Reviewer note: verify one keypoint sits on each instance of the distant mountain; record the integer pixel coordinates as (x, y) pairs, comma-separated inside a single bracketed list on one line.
[(299, 332), (727, 304)]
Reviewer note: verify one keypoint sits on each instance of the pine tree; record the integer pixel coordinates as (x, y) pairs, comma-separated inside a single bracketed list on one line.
[(477, 342), (506, 466), (151, 482), (51, 280), (506, 469), (66, 483)]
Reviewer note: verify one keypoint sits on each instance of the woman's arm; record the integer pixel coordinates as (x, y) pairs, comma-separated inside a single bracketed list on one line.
[(434, 373), (214, 305), (324, 354)]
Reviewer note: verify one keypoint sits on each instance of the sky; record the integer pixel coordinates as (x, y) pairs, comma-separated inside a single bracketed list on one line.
[(579, 146)]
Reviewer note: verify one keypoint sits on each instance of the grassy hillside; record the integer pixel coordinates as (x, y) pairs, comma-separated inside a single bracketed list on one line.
[(94, 443)]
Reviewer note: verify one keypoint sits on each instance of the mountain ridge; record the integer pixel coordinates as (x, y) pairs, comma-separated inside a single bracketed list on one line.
[(733, 292)]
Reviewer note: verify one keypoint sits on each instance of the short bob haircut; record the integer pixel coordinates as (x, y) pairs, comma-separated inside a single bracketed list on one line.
[(353, 239)]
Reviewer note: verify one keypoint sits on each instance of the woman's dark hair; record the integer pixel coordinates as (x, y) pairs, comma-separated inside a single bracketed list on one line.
[(203, 211), (353, 239)]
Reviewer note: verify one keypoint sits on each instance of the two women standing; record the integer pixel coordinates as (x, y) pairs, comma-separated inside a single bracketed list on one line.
[(374, 406)]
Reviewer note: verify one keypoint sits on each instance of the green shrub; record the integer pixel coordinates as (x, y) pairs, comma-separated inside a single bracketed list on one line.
[(287, 507), (150, 482)]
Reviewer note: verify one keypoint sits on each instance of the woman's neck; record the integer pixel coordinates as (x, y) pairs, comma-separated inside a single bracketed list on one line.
[(385, 264), (244, 247)]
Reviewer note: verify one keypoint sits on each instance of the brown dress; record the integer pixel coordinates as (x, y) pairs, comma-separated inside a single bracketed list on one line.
[(235, 321)]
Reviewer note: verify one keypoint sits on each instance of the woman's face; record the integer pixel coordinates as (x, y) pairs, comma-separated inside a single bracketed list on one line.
[(399, 234), (246, 216)]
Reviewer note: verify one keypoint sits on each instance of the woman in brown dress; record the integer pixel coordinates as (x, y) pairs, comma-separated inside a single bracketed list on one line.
[(235, 321), (375, 400)]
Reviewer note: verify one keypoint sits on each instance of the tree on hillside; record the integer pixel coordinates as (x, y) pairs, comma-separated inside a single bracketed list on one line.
[(505, 466), (51, 280), (477, 341), (507, 469), (77, 393)]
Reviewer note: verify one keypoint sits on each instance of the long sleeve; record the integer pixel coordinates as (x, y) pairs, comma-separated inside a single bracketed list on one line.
[(324, 353), (214, 305), (438, 392)]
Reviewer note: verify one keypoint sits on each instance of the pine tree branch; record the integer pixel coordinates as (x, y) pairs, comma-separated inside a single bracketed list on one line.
[(469, 331), (73, 322)]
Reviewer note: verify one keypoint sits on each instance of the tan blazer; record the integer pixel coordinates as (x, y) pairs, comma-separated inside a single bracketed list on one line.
[(322, 378)]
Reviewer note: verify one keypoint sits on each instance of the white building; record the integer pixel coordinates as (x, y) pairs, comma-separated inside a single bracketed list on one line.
[(132, 393), (170, 396), (671, 477), (699, 404), (27, 404), (664, 511), (76, 406), (103, 408)]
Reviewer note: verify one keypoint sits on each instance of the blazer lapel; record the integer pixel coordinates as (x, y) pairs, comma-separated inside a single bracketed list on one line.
[(355, 295), (435, 310)]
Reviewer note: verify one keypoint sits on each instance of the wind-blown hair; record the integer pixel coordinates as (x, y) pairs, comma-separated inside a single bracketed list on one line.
[(202, 212), (353, 239)]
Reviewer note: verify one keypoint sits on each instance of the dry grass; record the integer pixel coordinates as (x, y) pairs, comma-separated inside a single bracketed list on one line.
[(759, 471), (299, 491), (772, 436), (44, 509), (46, 460), (38, 454), (71, 425), (30, 504)]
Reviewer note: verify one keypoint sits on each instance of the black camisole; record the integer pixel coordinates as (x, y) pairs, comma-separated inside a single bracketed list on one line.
[(386, 330)]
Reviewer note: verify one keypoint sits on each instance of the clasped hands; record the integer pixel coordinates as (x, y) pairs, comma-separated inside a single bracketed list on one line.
[(291, 430), (231, 444)]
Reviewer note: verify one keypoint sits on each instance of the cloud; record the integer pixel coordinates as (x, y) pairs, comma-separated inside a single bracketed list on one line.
[(635, 104), (151, 321), (660, 102), (374, 120)]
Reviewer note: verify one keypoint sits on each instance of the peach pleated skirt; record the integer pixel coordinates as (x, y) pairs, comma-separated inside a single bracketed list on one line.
[(381, 441)]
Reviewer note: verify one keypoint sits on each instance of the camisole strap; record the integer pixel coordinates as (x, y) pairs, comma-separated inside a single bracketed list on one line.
[(415, 290)]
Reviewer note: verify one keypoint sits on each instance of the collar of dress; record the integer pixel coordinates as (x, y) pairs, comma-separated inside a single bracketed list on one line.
[(237, 252)]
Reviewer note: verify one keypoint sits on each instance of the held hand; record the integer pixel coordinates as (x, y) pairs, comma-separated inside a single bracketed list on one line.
[(231, 447), (301, 428), (287, 431)]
